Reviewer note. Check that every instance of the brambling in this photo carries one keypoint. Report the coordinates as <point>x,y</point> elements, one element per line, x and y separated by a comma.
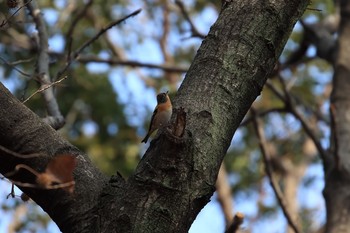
<point>161,114</point>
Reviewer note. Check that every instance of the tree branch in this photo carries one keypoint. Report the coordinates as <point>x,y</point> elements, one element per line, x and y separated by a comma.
<point>25,139</point>
<point>43,66</point>
<point>44,87</point>
<point>93,39</point>
<point>287,99</point>
<point>15,68</point>
<point>194,30</point>
<point>4,22</point>
<point>70,31</point>
<point>169,68</point>
<point>236,223</point>
<point>269,172</point>
<point>249,119</point>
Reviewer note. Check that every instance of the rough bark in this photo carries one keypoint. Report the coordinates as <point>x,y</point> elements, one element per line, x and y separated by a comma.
<point>24,132</point>
<point>337,169</point>
<point>176,177</point>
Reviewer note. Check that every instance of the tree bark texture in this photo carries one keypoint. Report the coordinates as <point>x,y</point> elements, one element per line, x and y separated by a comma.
<point>176,177</point>
<point>24,132</point>
<point>337,168</point>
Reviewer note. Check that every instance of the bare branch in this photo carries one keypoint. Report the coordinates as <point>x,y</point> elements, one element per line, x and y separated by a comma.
<point>236,223</point>
<point>93,39</point>
<point>27,156</point>
<point>249,119</point>
<point>306,126</point>
<point>14,13</point>
<point>194,30</point>
<point>103,30</point>
<point>15,68</point>
<point>268,169</point>
<point>111,61</point>
<point>45,87</point>
<point>70,32</point>
<point>12,193</point>
<point>43,65</point>
<point>303,121</point>
<point>49,187</point>
<point>21,61</point>
<point>21,166</point>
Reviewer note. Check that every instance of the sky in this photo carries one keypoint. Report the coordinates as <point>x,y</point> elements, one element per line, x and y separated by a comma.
<point>211,218</point>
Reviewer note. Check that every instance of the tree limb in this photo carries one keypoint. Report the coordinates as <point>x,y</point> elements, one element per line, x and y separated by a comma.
<point>43,66</point>
<point>25,139</point>
<point>236,223</point>
<point>287,99</point>
<point>72,26</point>
<point>169,68</point>
<point>94,38</point>
<point>269,172</point>
<point>194,30</point>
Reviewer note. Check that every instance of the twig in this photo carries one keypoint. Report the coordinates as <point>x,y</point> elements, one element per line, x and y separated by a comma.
<point>37,174</point>
<point>306,126</point>
<point>15,68</point>
<point>236,223</point>
<point>169,68</point>
<point>94,38</point>
<point>15,154</point>
<point>290,106</point>
<point>70,32</point>
<point>22,166</point>
<point>44,87</point>
<point>14,13</point>
<point>268,169</point>
<point>49,187</point>
<point>12,193</point>
<point>282,97</point>
<point>21,61</point>
<point>194,30</point>
<point>103,30</point>
<point>313,9</point>
<point>249,119</point>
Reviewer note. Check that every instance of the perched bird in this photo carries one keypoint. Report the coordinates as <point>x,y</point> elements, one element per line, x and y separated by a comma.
<point>161,114</point>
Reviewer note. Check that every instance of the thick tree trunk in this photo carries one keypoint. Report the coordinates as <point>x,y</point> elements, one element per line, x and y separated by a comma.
<point>22,131</point>
<point>337,169</point>
<point>176,177</point>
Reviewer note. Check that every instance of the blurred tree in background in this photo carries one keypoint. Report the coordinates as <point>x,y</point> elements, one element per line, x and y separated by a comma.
<point>109,95</point>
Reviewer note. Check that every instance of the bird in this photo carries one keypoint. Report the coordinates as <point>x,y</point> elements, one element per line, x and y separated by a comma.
<point>161,114</point>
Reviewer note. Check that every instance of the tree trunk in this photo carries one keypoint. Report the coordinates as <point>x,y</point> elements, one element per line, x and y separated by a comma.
<point>176,177</point>
<point>337,168</point>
